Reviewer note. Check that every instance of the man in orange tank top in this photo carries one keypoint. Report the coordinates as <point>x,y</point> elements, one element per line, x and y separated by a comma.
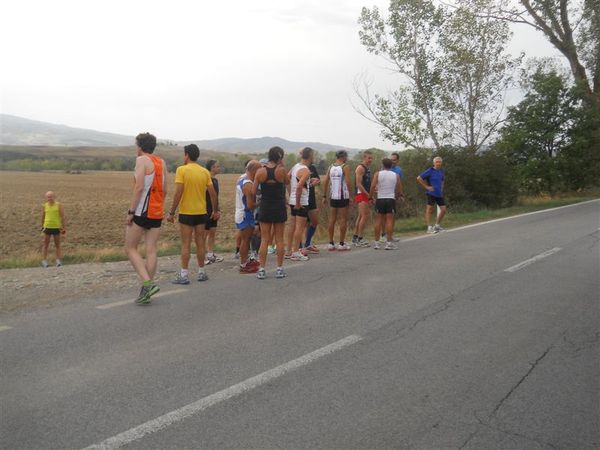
<point>145,213</point>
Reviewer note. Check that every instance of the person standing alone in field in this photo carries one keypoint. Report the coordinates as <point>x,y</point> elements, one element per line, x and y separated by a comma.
<point>433,182</point>
<point>363,197</point>
<point>388,185</point>
<point>214,168</point>
<point>337,183</point>
<point>53,224</point>
<point>145,213</point>
<point>192,182</point>
<point>271,179</point>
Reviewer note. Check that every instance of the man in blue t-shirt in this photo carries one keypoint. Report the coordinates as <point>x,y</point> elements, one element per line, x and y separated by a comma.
<point>433,182</point>
<point>395,157</point>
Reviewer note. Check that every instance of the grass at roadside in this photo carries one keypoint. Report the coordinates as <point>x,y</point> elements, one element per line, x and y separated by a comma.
<point>404,227</point>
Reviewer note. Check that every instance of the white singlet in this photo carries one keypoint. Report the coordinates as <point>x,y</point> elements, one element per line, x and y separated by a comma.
<point>338,189</point>
<point>386,184</point>
<point>294,185</point>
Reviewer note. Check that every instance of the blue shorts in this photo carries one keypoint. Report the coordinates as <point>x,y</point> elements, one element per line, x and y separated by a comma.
<point>248,221</point>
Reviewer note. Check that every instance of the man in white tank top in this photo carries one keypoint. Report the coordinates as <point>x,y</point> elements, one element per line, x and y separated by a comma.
<point>388,186</point>
<point>299,186</point>
<point>338,186</point>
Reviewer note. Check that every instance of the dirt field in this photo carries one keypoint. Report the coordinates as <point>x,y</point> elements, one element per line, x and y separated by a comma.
<point>95,205</point>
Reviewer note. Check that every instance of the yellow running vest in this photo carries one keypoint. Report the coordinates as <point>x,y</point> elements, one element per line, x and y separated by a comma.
<point>52,215</point>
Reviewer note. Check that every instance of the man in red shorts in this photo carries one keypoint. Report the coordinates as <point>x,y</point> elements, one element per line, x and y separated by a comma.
<point>362,197</point>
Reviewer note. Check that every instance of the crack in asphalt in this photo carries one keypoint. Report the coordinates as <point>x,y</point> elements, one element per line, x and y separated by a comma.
<point>523,378</point>
<point>440,309</point>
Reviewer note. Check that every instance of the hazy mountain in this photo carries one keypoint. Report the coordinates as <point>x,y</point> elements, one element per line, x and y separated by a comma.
<point>20,131</point>
<point>258,145</point>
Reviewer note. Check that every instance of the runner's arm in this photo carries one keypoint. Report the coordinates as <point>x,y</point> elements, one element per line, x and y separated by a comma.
<point>326,186</point>
<point>374,184</point>
<point>358,173</point>
<point>177,198</point>
<point>399,187</point>
<point>63,218</point>
<point>138,188</point>
<point>214,201</point>
<point>348,182</point>
<point>301,185</point>
<point>250,202</point>
<point>422,182</point>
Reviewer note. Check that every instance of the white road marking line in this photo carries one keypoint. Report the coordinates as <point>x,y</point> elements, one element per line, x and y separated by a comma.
<point>5,327</point>
<point>519,215</point>
<point>532,260</point>
<point>128,302</point>
<point>184,412</point>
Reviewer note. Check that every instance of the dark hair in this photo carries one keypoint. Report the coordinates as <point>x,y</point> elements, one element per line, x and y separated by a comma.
<point>387,163</point>
<point>276,154</point>
<point>341,154</point>
<point>210,163</point>
<point>146,141</point>
<point>192,151</point>
<point>306,153</point>
<point>396,154</point>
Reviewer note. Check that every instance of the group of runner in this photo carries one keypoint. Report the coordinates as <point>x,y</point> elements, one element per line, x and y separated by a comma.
<point>262,196</point>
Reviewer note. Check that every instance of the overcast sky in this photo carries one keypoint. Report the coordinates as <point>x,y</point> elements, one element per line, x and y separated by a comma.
<point>197,69</point>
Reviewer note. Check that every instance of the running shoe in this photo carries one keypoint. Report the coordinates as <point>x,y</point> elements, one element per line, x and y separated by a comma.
<point>312,249</point>
<point>297,256</point>
<point>431,230</point>
<point>145,293</point>
<point>248,269</point>
<point>44,264</point>
<point>390,246</point>
<point>271,250</point>
<point>303,252</point>
<point>237,255</point>
<point>376,245</point>
<point>280,273</point>
<point>437,228</point>
<point>344,248</point>
<point>382,239</point>
<point>58,263</point>
<point>217,258</point>
<point>354,240</point>
<point>362,243</point>
<point>331,247</point>
<point>202,276</point>
<point>261,274</point>
<point>181,279</point>
<point>253,262</point>
<point>287,255</point>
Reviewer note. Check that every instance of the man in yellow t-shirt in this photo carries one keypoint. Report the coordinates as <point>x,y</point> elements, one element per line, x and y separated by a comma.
<point>192,182</point>
<point>53,224</point>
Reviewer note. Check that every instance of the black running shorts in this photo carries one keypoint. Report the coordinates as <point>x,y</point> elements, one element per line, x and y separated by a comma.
<point>344,203</point>
<point>52,231</point>
<point>146,223</point>
<point>385,206</point>
<point>431,200</point>
<point>193,220</point>
<point>300,212</point>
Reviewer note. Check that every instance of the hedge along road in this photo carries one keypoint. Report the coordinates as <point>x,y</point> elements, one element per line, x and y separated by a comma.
<point>433,345</point>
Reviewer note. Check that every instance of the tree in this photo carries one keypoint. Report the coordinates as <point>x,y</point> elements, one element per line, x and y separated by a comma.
<point>453,68</point>
<point>539,129</point>
<point>573,28</point>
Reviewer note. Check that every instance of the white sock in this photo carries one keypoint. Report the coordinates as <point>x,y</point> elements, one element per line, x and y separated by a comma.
<point>200,269</point>
<point>184,272</point>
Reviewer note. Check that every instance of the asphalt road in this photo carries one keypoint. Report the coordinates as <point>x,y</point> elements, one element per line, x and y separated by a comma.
<point>481,337</point>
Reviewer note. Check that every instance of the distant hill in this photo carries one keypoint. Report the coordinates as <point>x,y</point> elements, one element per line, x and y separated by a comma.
<point>20,131</point>
<point>259,145</point>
